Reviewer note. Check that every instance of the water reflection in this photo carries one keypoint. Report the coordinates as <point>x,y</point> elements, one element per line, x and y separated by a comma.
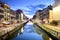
<point>29,33</point>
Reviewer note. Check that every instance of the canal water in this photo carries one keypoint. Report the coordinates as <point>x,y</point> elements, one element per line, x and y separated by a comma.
<point>30,32</point>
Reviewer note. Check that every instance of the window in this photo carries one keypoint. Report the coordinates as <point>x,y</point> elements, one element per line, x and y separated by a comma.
<point>1,11</point>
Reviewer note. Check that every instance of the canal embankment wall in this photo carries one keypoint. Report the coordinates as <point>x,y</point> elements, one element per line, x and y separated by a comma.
<point>10,31</point>
<point>46,32</point>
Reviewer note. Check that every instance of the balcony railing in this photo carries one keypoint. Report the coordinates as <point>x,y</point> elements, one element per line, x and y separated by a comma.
<point>12,15</point>
<point>1,13</point>
<point>1,8</point>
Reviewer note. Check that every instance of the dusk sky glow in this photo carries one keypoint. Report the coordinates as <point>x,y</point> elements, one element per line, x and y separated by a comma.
<point>29,7</point>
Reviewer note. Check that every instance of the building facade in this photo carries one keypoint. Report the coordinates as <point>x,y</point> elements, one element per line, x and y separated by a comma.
<point>20,15</point>
<point>1,10</point>
<point>45,14</point>
<point>13,14</point>
<point>56,3</point>
<point>7,12</point>
<point>24,17</point>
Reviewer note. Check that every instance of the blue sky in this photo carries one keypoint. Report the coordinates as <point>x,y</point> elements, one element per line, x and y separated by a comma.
<point>29,7</point>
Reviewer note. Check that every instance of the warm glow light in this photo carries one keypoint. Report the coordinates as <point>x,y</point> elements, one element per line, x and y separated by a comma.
<point>56,9</point>
<point>56,13</point>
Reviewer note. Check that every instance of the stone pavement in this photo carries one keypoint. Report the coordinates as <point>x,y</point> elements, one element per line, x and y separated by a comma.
<point>54,30</point>
<point>48,26</point>
<point>4,30</point>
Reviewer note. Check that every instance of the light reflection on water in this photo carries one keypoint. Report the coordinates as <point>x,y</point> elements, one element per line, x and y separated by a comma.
<point>29,33</point>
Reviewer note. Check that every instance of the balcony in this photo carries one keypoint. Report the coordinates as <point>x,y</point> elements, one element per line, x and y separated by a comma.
<point>1,8</point>
<point>12,15</point>
<point>1,13</point>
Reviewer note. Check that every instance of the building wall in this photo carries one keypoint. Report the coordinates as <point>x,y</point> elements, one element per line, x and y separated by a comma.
<point>50,15</point>
<point>7,12</point>
<point>56,13</point>
<point>57,3</point>
<point>24,17</point>
<point>38,14</point>
<point>1,10</point>
<point>43,14</point>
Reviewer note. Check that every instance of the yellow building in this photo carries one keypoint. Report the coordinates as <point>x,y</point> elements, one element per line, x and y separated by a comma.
<point>54,14</point>
<point>50,15</point>
<point>6,12</point>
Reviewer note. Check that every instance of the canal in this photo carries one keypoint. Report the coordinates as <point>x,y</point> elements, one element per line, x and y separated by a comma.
<point>29,32</point>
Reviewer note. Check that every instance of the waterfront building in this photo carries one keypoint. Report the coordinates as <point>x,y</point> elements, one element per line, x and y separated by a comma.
<point>56,13</point>
<point>50,13</point>
<point>24,17</point>
<point>7,12</point>
<point>42,14</point>
<point>19,14</point>
<point>1,10</point>
<point>56,3</point>
<point>34,17</point>
<point>13,14</point>
<point>46,14</point>
<point>38,14</point>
